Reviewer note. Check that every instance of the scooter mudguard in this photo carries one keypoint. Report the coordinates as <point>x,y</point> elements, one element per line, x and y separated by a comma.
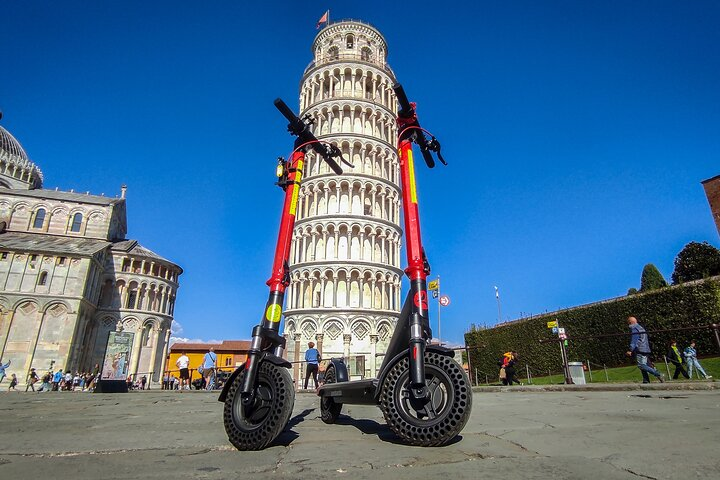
<point>267,357</point>
<point>341,373</point>
<point>429,348</point>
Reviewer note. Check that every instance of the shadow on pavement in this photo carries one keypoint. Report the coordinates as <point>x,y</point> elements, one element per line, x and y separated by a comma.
<point>371,427</point>
<point>288,435</point>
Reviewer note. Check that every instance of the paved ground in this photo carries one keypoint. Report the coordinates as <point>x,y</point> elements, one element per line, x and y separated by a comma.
<point>524,435</point>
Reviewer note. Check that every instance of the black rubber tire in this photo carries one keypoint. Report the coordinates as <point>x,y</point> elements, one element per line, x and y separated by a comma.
<point>256,427</point>
<point>329,409</point>
<point>450,405</point>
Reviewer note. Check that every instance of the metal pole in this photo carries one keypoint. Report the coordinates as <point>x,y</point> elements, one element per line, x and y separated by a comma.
<point>527,370</point>
<point>467,352</point>
<point>607,379</point>
<point>666,366</point>
<point>717,335</point>
<point>497,296</point>
<point>566,368</point>
<point>438,302</point>
<point>487,380</point>
<point>589,369</point>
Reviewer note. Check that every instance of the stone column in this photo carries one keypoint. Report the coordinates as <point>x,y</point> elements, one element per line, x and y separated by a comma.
<point>6,330</point>
<point>319,341</point>
<point>373,358</point>
<point>286,336</point>
<point>166,347</point>
<point>346,348</point>
<point>296,365</point>
<point>137,345</point>
<point>153,354</point>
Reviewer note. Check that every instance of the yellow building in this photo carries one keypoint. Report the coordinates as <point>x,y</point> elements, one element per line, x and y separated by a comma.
<point>230,354</point>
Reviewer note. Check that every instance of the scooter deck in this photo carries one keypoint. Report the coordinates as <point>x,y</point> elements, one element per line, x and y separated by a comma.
<point>358,392</point>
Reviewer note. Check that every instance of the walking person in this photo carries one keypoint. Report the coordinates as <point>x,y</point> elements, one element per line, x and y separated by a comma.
<point>209,367</point>
<point>31,380</point>
<point>56,379</point>
<point>673,354</point>
<point>510,368</point>
<point>182,363</point>
<point>640,347</point>
<point>45,385</point>
<point>2,370</point>
<point>13,382</point>
<point>692,361</point>
<point>312,357</point>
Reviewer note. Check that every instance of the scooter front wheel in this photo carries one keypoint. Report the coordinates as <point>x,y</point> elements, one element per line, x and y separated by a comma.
<point>256,425</point>
<point>436,420</point>
<point>329,408</point>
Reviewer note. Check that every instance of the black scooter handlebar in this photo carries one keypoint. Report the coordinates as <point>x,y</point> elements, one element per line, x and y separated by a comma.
<point>299,128</point>
<point>405,108</point>
<point>407,111</point>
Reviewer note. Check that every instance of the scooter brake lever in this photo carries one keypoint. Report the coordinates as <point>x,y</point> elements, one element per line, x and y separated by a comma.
<point>434,145</point>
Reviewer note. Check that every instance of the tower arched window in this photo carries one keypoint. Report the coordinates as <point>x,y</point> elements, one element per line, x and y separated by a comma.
<point>42,279</point>
<point>350,41</point>
<point>333,53</point>
<point>39,220</point>
<point>146,335</point>
<point>76,222</point>
<point>366,54</point>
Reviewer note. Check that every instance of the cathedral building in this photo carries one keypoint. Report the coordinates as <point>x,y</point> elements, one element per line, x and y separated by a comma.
<point>345,264</point>
<point>68,277</point>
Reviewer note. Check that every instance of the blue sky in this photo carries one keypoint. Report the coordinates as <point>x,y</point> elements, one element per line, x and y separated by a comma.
<point>577,135</point>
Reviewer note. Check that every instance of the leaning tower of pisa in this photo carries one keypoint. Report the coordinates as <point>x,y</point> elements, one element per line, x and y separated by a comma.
<point>345,260</point>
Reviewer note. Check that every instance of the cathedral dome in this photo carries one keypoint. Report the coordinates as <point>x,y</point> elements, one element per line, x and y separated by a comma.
<point>16,169</point>
<point>10,146</point>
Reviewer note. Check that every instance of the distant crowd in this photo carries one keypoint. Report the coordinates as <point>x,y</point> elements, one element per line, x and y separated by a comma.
<point>53,381</point>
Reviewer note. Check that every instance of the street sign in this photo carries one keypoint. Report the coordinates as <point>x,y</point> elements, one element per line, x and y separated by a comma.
<point>562,336</point>
<point>555,329</point>
<point>444,300</point>
<point>553,324</point>
<point>561,331</point>
<point>435,293</point>
<point>433,285</point>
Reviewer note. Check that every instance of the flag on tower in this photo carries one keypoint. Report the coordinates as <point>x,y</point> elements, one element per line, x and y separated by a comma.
<point>323,19</point>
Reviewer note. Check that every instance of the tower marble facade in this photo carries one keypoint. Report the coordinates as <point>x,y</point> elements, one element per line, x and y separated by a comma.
<point>345,264</point>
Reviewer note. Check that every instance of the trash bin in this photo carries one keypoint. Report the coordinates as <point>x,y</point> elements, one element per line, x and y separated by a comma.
<point>577,372</point>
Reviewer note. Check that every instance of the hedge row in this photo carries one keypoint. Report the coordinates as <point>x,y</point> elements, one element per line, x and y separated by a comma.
<point>686,305</point>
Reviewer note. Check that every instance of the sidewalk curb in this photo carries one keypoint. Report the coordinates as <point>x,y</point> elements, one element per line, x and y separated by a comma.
<point>617,387</point>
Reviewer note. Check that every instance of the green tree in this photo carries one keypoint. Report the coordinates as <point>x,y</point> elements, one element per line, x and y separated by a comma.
<point>651,278</point>
<point>696,261</point>
<point>632,291</point>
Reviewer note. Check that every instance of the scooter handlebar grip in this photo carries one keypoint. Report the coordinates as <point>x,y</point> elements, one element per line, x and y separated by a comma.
<point>334,165</point>
<point>402,98</point>
<point>429,160</point>
<point>285,110</point>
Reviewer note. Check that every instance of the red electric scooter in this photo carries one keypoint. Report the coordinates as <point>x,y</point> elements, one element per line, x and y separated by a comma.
<point>425,396</point>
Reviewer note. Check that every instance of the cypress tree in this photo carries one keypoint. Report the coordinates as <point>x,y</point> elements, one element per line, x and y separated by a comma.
<point>651,278</point>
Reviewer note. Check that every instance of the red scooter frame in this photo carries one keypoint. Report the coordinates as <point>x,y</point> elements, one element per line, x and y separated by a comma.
<point>423,393</point>
<point>258,402</point>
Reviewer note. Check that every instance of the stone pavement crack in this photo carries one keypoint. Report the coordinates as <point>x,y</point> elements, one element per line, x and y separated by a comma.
<point>203,450</point>
<point>520,446</point>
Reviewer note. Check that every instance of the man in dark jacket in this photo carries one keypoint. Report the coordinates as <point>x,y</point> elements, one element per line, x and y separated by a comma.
<point>640,347</point>
<point>673,354</point>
